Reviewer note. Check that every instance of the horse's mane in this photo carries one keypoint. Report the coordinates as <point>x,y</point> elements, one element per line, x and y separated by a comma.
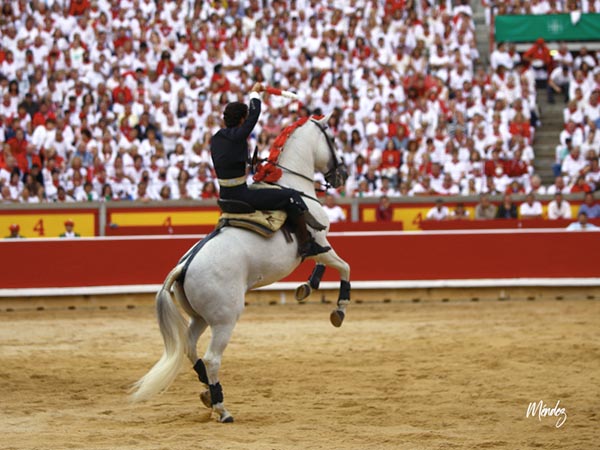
<point>267,170</point>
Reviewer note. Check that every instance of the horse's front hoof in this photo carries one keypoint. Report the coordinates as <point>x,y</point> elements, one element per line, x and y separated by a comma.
<point>337,318</point>
<point>303,291</point>
<point>226,419</point>
<point>205,397</point>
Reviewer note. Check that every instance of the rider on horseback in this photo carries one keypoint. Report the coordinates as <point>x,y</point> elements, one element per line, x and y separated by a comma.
<point>229,151</point>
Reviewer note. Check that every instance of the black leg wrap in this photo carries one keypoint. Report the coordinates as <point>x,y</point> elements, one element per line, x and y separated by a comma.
<point>216,393</point>
<point>316,275</point>
<point>344,290</point>
<point>200,369</point>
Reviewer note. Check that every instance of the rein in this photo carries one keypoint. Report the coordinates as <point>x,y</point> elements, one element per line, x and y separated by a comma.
<point>302,194</point>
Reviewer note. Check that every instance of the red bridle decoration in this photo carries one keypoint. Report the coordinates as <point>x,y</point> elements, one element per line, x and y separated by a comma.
<point>268,171</point>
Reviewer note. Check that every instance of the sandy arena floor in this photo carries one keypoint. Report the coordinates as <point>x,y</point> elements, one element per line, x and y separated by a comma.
<point>395,376</point>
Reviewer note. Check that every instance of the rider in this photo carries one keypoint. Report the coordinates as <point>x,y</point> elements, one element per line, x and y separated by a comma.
<point>229,151</point>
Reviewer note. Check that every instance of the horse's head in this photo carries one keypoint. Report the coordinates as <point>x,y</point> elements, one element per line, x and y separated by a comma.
<point>326,155</point>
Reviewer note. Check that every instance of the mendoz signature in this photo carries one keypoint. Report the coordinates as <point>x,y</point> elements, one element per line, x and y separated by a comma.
<point>540,409</point>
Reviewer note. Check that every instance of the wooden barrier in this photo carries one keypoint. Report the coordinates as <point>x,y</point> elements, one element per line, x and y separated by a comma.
<point>373,256</point>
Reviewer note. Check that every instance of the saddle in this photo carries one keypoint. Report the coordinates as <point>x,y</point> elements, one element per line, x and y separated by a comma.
<point>239,214</point>
<point>236,213</point>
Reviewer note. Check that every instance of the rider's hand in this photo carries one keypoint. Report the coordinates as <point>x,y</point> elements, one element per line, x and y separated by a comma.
<point>258,87</point>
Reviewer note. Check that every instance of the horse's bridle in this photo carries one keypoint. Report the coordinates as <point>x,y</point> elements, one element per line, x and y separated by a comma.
<point>334,177</point>
<point>338,174</point>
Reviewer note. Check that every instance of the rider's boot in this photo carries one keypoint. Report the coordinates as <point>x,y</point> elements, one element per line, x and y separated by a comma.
<point>307,246</point>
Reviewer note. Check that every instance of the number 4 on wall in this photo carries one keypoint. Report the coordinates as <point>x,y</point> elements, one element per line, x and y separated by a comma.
<point>169,224</point>
<point>417,220</point>
<point>39,227</point>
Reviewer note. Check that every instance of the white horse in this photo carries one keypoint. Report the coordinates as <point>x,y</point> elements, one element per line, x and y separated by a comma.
<point>211,280</point>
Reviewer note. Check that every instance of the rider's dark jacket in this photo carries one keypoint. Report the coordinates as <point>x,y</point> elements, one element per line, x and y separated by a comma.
<point>229,152</point>
<point>229,146</point>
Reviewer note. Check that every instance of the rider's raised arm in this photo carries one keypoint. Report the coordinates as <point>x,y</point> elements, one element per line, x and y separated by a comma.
<point>243,131</point>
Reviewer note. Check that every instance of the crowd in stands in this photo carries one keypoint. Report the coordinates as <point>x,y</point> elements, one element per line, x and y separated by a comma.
<point>117,100</point>
<point>539,7</point>
<point>576,80</point>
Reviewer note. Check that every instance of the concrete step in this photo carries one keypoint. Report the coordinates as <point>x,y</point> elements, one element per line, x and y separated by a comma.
<point>544,169</point>
<point>547,137</point>
<point>554,122</point>
<point>550,111</point>
<point>546,146</point>
<point>544,159</point>
<point>544,162</point>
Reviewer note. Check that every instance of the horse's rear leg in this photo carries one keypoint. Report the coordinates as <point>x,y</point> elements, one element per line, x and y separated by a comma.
<point>197,324</point>
<point>195,329</point>
<point>207,369</point>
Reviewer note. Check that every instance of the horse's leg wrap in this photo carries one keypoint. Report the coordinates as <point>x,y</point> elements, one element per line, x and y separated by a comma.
<point>200,369</point>
<point>216,393</point>
<point>344,291</point>
<point>316,275</point>
<point>337,315</point>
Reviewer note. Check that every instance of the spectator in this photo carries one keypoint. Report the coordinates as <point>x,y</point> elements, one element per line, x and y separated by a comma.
<point>501,57</point>
<point>69,231</point>
<point>540,59</point>
<point>485,209</point>
<point>558,186</point>
<point>459,213</point>
<point>592,174</point>
<point>582,223</point>
<point>438,212</point>
<point>563,57</point>
<point>584,57</point>
<point>559,208</point>
<point>558,82</point>
<point>535,185</point>
<point>507,209</point>
<point>580,185</point>
<point>386,189</point>
<point>14,231</point>
<point>209,190</point>
<point>384,212</point>
<point>141,193</point>
<point>590,207</point>
<point>531,208</point>
<point>573,164</point>
<point>423,187</point>
<point>334,212</point>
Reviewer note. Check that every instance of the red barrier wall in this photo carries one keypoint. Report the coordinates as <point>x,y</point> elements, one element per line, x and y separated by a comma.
<point>372,256</point>
<point>498,224</point>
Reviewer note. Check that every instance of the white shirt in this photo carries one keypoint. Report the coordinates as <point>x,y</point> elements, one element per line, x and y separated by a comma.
<point>436,213</point>
<point>572,167</point>
<point>335,213</point>
<point>577,226</point>
<point>559,212</point>
<point>530,210</point>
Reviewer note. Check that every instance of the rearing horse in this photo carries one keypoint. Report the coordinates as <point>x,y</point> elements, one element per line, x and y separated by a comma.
<point>211,280</point>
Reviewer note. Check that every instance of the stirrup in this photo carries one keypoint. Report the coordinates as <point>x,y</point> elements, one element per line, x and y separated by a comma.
<point>312,222</point>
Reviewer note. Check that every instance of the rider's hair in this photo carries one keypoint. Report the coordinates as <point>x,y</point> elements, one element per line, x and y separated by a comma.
<point>234,113</point>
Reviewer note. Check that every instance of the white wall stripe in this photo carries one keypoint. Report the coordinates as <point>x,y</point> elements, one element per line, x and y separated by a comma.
<point>287,286</point>
<point>333,233</point>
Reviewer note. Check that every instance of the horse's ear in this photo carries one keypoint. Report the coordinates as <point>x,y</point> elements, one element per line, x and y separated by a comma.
<point>325,119</point>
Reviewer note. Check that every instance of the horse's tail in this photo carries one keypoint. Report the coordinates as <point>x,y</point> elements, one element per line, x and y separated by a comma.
<point>173,328</point>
